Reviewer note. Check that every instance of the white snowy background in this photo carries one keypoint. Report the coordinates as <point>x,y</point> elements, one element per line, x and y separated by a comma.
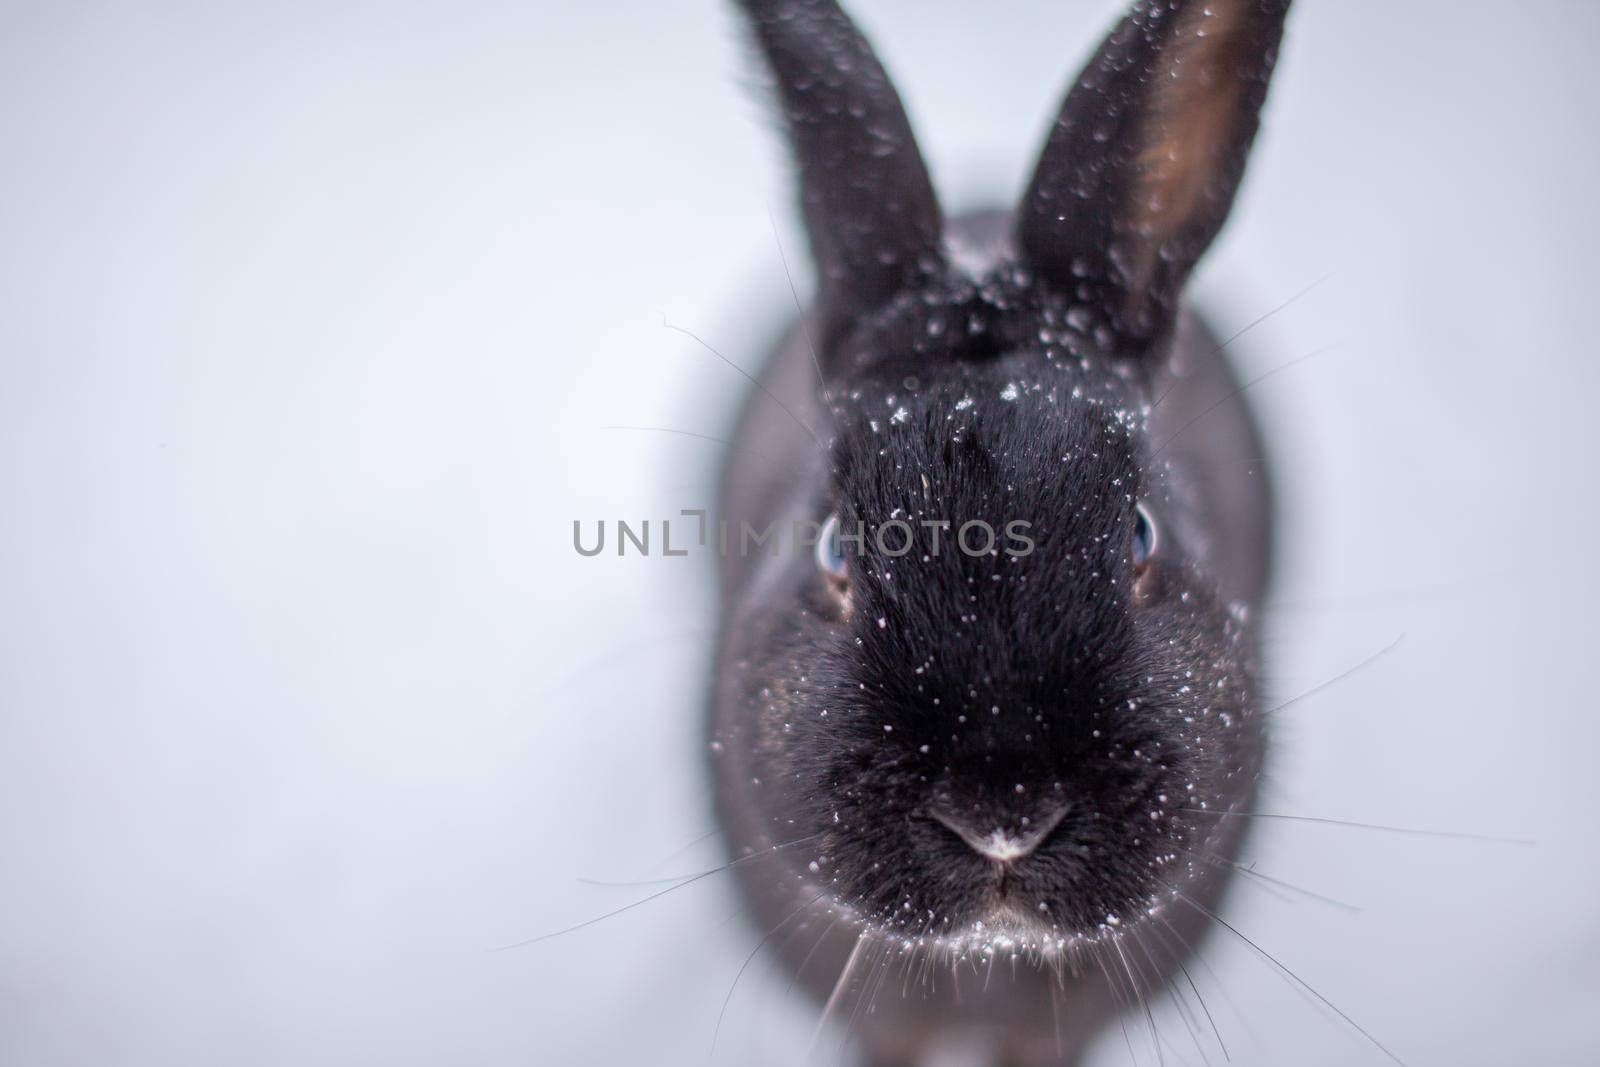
<point>312,315</point>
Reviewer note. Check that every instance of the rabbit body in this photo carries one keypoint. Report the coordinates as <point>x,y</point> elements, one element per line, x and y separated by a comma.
<point>979,795</point>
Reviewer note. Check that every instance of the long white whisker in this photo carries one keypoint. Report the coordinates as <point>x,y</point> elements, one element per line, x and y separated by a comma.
<point>845,974</point>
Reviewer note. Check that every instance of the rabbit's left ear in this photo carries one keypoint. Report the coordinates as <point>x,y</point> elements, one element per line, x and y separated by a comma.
<point>1142,166</point>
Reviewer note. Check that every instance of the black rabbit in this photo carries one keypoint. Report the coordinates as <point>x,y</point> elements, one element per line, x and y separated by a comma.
<point>997,716</point>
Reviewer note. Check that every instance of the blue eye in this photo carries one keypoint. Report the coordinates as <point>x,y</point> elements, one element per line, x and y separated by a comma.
<point>830,554</point>
<point>1143,543</point>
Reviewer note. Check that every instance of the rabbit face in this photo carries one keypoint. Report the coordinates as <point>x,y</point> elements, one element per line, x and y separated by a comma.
<point>1002,715</point>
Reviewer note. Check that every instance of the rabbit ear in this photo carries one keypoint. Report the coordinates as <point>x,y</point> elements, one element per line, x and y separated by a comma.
<point>1141,168</point>
<point>870,211</point>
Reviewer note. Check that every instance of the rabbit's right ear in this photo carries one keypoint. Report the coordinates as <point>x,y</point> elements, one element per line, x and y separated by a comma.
<point>1142,166</point>
<point>871,215</point>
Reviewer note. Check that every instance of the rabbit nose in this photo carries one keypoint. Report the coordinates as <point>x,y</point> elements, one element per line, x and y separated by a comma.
<point>1003,840</point>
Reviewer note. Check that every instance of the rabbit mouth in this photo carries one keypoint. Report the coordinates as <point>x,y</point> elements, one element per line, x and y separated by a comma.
<point>1007,929</point>
<point>1003,907</point>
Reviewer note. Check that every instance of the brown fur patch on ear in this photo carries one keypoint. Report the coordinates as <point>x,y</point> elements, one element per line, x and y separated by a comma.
<point>1192,131</point>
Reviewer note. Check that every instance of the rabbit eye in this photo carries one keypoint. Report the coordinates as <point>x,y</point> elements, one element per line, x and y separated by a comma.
<point>830,553</point>
<point>1143,542</point>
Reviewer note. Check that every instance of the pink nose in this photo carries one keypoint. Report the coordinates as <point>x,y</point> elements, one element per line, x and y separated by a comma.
<point>1000,843</point>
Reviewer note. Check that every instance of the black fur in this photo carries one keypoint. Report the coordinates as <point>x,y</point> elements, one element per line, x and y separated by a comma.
<point>869,735</point>
<point>955,679</point>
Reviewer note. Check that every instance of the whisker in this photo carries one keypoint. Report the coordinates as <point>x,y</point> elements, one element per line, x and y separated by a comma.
<point>845,974</point>
<point>679,852</point>
<point>665,879</point>
<point>1217,351</point>
<point>1457,835</point>
<point>1177,958</point>
<point>636,883</point>
<point>870,990</point>
<point>1055,1012</point>
<point>752,379</point>
<point>1170,990</point>
<point>910,961</point>
<point>805,326</point>
<point>1263,318</point>
<point>1114,984</point>
<point>717,1032</point>
<point>1320,898</point>
<point>1264,954</point>
<point>781,464</point>
<point>798,971</point>
<point>1257,380</point>
<point>779,953</point>
<point>1251,872</point>
<point>1191,951</point>
<point>1143,999</point>
<point>656,896</point>
<point>1336,679</point>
